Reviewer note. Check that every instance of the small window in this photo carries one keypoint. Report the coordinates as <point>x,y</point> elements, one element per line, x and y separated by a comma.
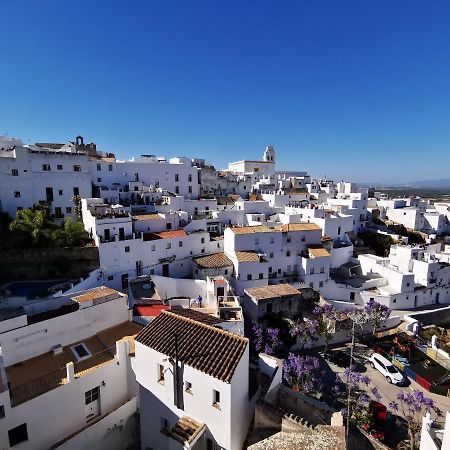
<point>394,301</point>
<point>99,180</point>
<point>60,192</point>
<point>407,284</point>
<point>226,272</point>
<point>352,296</point>
<point>249,276</point>
<point>188,387</point>
<point>164,424</point>
<point>160,373</point>
<point>279,271</point>
<point>202,240</point>
<point>2,411</point>
<point>76,191</point>
<point>216,398</point>
<point>17,194</point>
<point>320,283</point>
<point>177,189</point>
<point>77,168</point>
<point>261,276</point>
<point>110,277</point>
<point>152,248</point>
<point>303,239</point>
<point>59,167</point>
<point>68,210</point>
<point>312,271</point>
<point>180,243</point>
<point>190,189</point>
<point>127,249</point>
<point>46,167</point>
<point>92,395</point>
<point>14,172</point>
<point>17,435</point>
<point>177,178</point>
<point>189,178</point>
<point>288,240</point>
<point>110,167</point>
<point>99,167</point>
<point>288,253</point>
<point>80,351</point>
<point>322,270</point>
<point>270,269</point>
<point>311,285</point>
<point>168,245</point>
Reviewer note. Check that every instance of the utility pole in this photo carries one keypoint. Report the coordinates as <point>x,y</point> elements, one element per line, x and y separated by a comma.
<point>349,386</point>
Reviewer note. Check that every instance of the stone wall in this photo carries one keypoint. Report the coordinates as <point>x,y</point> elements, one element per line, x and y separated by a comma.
<point>47,263</point>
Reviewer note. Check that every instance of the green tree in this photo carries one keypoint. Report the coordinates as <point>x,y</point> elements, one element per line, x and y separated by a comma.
<point>33,222</point>
<point>72,234</point>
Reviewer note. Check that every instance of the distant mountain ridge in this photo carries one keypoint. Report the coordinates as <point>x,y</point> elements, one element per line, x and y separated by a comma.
<point>441,184</point>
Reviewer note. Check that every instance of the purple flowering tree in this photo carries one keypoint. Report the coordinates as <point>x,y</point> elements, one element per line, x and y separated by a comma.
<point>266,340</point>
<point>302,373</point>
<point>305,331</point>
<point>326,316</point>
<point>376,314</point>
<point>414,405</point>
<point>358,400</point>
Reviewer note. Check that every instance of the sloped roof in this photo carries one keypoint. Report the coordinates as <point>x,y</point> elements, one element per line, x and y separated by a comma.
<point>247,257</point>
<point>164,235</point>
<point>213,261</point>
<point>210,350</point>
<point>271,291</point>
<point>249,230</point>
<point>98,293</point>
<point>186,430</point>
<point>298,227</point>
<point>198,316</point>
<point>142,217</point>
<point>318,252</point>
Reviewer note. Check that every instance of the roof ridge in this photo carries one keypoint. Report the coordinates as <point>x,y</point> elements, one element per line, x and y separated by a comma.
<point>204,325</point>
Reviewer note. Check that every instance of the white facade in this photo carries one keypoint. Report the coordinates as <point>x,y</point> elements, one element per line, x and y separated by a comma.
<point>46,391</point>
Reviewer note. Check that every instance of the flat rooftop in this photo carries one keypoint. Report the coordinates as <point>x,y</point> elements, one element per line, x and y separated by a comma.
<point>38,375</point>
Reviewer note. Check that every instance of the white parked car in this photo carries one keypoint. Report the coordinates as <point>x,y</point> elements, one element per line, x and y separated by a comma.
<point>385,367</point>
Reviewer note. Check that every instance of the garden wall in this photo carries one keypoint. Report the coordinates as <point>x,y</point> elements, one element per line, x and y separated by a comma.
<point>47,263</point>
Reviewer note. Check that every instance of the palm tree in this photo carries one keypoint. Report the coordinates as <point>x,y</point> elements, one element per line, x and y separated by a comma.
<point>32,221</point>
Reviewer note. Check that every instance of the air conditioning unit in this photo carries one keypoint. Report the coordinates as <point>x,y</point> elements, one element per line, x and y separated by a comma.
<point>57,349</point>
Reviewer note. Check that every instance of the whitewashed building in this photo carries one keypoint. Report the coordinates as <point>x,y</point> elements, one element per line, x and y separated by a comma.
<point>66,363</point>
<point>193,385</point>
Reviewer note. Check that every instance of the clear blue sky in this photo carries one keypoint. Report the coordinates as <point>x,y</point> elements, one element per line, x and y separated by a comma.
<point>352,89</point>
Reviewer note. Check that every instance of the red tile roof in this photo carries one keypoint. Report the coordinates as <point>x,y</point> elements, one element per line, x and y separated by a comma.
<point>205,348</point>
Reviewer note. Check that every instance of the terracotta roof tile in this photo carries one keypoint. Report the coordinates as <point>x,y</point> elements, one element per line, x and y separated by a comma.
<point>271,291</point>
<point>298,227</point>
<point>210,350</point>
<point>247,256</point>
<point>142,217</point>
<point>249,230</point>
<point>186,430</point>
<point>98,293</point>
<point>164,235</point>
<point>318,252</point>
<point>198,316</point>
<point>214,260</point>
